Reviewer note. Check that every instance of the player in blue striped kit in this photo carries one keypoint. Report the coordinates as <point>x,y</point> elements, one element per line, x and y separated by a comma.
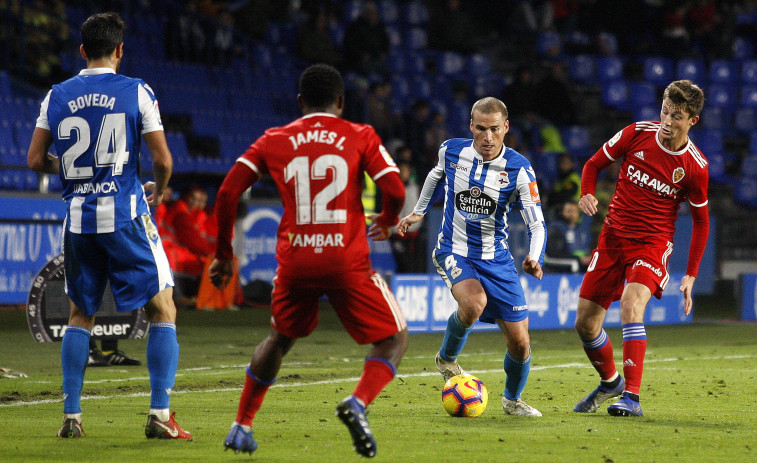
<point>483,180</point>
<point>96,120</point>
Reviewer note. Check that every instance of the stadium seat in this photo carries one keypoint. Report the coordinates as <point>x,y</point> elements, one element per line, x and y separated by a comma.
<point>416,38</point>
<point>576,140</point>
<point>643,94</point>
<point>609,68</point>
<point>691,69</point>
<point>479,65</point>
<point>742,48</point>
<point>388,11</point>
<point>716,118</point>
<point>646,113</point>
<point>351,11</point>
<point>395,39</point>
<point>658,70</point>
<point>549,44</point>
<point>582,68</point>
<point>723,72</point>
<point>745,192</point>
<point>722,96</point>
<point>451,63</point>
<point>745,120</point>
<point>716,168</point>
<point>753,141</point>
<point>415,13</point>
<point>709,141</point>
<point>749,72</point>
<point>749,166</point>
<point>5,83</point>
<point>749,96</point>
<point>615,94</point>
<point>6,133</point>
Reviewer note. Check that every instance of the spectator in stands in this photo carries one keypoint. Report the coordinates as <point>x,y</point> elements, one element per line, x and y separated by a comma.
<point>366,42</point>
<point>414,126</point>
<point>378,110</point>
<point>223,39</point>
<point>567,186</point>
<point>553,96</point>
<point>451,27</point>
<point>314,42</point>
<point>408,249</point>
<point>568,240</point>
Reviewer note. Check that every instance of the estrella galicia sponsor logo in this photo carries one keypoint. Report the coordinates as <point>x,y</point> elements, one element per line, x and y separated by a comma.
<point>642,263</point>
<point>474,204</point>
<point>457,166</point>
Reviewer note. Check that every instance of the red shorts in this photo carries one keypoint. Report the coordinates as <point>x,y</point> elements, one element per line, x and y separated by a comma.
<point>362,300</point>
<point>617,260</point>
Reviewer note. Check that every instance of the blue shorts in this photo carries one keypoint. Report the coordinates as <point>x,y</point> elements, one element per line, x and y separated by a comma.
<point>504,294</point>
<point>131,258</point>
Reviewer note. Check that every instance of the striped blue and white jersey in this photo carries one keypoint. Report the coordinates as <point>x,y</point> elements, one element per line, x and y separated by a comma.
<point>96,120</point>
<point>478,195</point>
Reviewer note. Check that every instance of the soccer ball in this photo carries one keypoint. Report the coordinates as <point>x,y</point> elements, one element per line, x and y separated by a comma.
<point>465,396</point>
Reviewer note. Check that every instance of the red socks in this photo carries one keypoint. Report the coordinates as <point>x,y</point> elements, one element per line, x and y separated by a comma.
<point>377,373</point>
<point>251,398</point>
<point>633,363</point>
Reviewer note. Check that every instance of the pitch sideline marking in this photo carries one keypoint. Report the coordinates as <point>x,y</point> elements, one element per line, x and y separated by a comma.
<point>354,379</point>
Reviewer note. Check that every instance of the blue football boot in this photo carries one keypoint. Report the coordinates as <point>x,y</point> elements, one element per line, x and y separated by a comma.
<point>240,440</point>
<point>591,402</point>
<point>626,406</point>
<point>352,414</point>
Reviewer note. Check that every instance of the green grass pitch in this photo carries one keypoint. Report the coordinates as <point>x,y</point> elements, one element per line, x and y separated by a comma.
<point>698,396</point>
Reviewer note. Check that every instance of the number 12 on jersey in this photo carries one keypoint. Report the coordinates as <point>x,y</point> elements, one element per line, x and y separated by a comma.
<point>316,211</point>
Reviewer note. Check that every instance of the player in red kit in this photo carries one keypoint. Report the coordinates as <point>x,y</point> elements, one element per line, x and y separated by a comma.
<point>318,163</point>
<point>660,167</point>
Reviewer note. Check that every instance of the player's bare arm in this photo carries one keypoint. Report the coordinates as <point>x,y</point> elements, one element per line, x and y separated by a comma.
<point>379,230</point>
<point>162,165</point>
<point>687,285</point>
<point>588,204</point>
<point>38,158</point>
<point>532,267</point>
<point>407,222</point>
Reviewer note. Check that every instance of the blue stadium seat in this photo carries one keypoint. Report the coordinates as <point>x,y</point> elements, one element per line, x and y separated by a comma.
<point>709,141</point>
<point>749,96</point>
<point>716,168</point>
<point>416,38</point>
<point>421,87</point>
<point>451,63</point>
<point>723,72</point>
<point>351,10</point>
<point>753,141</point>
<point>643,94</point>
<point>658,70</point>
<point>395,38</point>
<point>745,120</point>
<point>549,44</point>
<point>54,184</point>
<point>692,69</point>
<point>576,140</point>
<point>415,13</point>
<point>716,118</point>
<point>616,94</point>
<point>646,113</point>
<point>749,72</point>
<point>388,11</point>
<point>749,166</point>
<point>722,96</point>
<point>609,68</point>
<point>745,192</point>
<point>479,65</point>
<point>582,68</point>
<point>742,48</point>
<point>6,133</point>
<point>5,83</point>
<point>23,134</point>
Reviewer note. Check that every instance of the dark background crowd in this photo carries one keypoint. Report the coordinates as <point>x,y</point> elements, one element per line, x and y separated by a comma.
<point>572,73</point>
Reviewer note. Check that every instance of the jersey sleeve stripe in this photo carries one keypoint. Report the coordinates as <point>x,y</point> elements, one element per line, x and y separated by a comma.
<point>386,171</point>
<point>249,164</point>
<point>697,155</point>
<point>699,204</point>
<point>604,148</point>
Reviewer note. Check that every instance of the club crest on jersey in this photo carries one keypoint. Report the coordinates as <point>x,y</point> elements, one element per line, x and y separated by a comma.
<point>474,204</point>
<point>678,174</point>
<point>503,180</point>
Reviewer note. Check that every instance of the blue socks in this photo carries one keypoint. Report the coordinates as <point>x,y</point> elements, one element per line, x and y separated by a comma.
<point>517,375</point>
<point>162,362</point>
<point>454,337</point>
<point>74,353</point>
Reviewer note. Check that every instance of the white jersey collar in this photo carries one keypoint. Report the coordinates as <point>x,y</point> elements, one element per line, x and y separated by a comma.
<point>96,71</point>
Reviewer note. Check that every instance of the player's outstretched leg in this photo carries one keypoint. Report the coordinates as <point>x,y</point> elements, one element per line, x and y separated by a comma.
<point>518,407</point>
<point>628,405</point>
<point>352,414</point>
<point>71,428</point>
<point>240,440</point>
<point>169,429</point>
<point>603,392</point>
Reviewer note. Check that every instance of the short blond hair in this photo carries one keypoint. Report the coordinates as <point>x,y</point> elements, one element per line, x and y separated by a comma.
<point>685,95</point>
<point>489,105</point>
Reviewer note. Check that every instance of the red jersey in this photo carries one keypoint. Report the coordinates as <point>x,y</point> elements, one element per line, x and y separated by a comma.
<point>317,163</point>
<point>652,183</point>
